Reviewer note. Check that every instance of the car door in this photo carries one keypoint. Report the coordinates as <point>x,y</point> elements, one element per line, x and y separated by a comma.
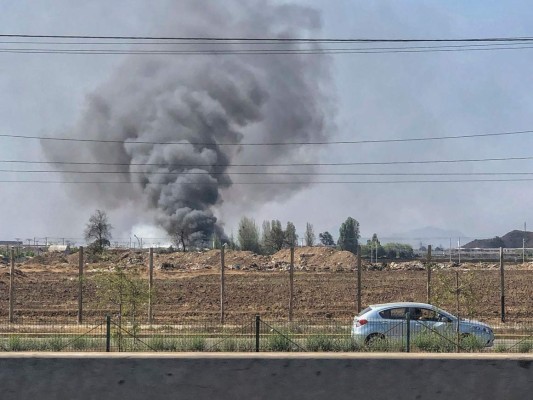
<point>394,322</point>
<point>423,320</point>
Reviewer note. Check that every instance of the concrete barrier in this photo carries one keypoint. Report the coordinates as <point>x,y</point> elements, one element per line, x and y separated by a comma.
<point>41,376</point>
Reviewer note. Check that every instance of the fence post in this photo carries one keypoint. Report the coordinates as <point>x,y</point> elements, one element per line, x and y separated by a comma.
<point>150,285</point>
<point>457,330</point>
<point>257,328</point>
<point>358,279</point>
<point>222,283</point>
<point>502,286</point>
<point>291,284</point>
<point>107,333</point>
<point>408,334</point>
<point>80,285</point>
<point>12,285</point>
<point>428,267</point>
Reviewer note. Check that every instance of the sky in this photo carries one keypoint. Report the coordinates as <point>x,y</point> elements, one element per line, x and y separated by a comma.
<point>346,97</point>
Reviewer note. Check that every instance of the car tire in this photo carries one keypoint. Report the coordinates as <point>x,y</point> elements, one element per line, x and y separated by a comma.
<point>372,338</point>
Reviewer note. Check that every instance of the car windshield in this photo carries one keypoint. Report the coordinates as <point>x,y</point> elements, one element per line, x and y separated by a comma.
<point>446,314</point>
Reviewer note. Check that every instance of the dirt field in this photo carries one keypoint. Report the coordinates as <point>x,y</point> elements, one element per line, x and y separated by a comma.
<point>188,286</point>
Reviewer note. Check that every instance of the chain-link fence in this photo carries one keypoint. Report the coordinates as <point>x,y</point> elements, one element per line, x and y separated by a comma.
<point>264,335</point>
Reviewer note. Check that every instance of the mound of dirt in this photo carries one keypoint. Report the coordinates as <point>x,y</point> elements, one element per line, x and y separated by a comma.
<point>315,259</point>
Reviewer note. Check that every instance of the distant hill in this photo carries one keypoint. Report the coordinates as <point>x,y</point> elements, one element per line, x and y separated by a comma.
<point>511,239</point>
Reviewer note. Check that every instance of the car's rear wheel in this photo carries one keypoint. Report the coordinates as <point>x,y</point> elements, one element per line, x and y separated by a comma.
<point>374,338</point>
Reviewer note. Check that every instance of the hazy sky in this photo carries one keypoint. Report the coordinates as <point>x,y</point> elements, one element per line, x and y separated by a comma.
<point>372,96</point>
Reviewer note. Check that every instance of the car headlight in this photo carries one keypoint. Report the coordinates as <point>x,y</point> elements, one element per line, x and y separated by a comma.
<point>482,329</point>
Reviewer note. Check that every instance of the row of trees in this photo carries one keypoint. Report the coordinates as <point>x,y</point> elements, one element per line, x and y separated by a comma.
<point>272,237</point>
<point>388,250</point>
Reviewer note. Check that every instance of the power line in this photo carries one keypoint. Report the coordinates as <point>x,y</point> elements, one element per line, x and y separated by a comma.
<point>354,163</point>
<point>184,43</point>
<point>332,142</point>
<point>272,39</point>
<point>210,173</point>
<point>254,52</point>
<point>268,183</point>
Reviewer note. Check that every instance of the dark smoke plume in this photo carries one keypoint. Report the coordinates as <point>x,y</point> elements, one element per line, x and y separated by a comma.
<point>203,99</point>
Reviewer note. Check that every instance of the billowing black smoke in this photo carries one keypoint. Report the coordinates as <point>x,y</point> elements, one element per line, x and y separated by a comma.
<point>203,101</point>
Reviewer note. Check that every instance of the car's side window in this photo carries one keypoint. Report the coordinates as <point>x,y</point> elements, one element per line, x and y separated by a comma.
<point>427,314</point>
<point>393,313</point>
<point>443,318</point>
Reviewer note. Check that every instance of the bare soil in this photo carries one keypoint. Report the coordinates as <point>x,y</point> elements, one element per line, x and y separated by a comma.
<point>187,285</point>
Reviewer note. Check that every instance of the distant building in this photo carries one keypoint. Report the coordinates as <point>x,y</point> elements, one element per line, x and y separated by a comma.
<point>58,248</point>
<point>10,243</point>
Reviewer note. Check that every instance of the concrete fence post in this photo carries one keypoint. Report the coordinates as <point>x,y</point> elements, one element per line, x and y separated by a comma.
<point>502,286</point>
<point>80,285</point>
<point>428,268</point>
<point>150,285</point>
<point>291,285</point>
<point>358,279</point>
<point>12,285</point>
<point>457,309</point>
<point>222,283</point>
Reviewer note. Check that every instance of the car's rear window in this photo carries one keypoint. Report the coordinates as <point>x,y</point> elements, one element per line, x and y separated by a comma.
<point>364,311</point>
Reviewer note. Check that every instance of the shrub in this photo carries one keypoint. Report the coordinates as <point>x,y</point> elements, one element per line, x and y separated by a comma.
<point>198,343</point>
<point>433,343</point>
<point>320,343</point>
<point>471,343</point>
<point>525,346</point>
<point>54,343</point>
<point>383,345</point>
<point>347,345</point>
<point>500,348</point>
<point>15,343</point>
<point>233,344</point>
<point>162,343</point>
<point>279,342</point>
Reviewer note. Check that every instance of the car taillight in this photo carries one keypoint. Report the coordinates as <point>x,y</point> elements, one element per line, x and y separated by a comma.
<point>361,322</point>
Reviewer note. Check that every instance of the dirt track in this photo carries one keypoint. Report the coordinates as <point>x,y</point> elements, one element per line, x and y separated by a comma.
<point>324,286</point>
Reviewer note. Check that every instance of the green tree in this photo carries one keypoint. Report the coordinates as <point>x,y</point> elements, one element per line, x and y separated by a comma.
<point>349,235</point>
<point>326,239</point>
<point>309,235</point>
<point>376,243</point>
<point>248,235</point>
<point>98,230</point>
<point>128,292</point>
<point>267,245</point>
<point>291,238</point>
<point>277,235</point>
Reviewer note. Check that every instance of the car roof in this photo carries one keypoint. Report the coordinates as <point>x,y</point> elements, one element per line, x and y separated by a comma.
<point>401,304</point>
